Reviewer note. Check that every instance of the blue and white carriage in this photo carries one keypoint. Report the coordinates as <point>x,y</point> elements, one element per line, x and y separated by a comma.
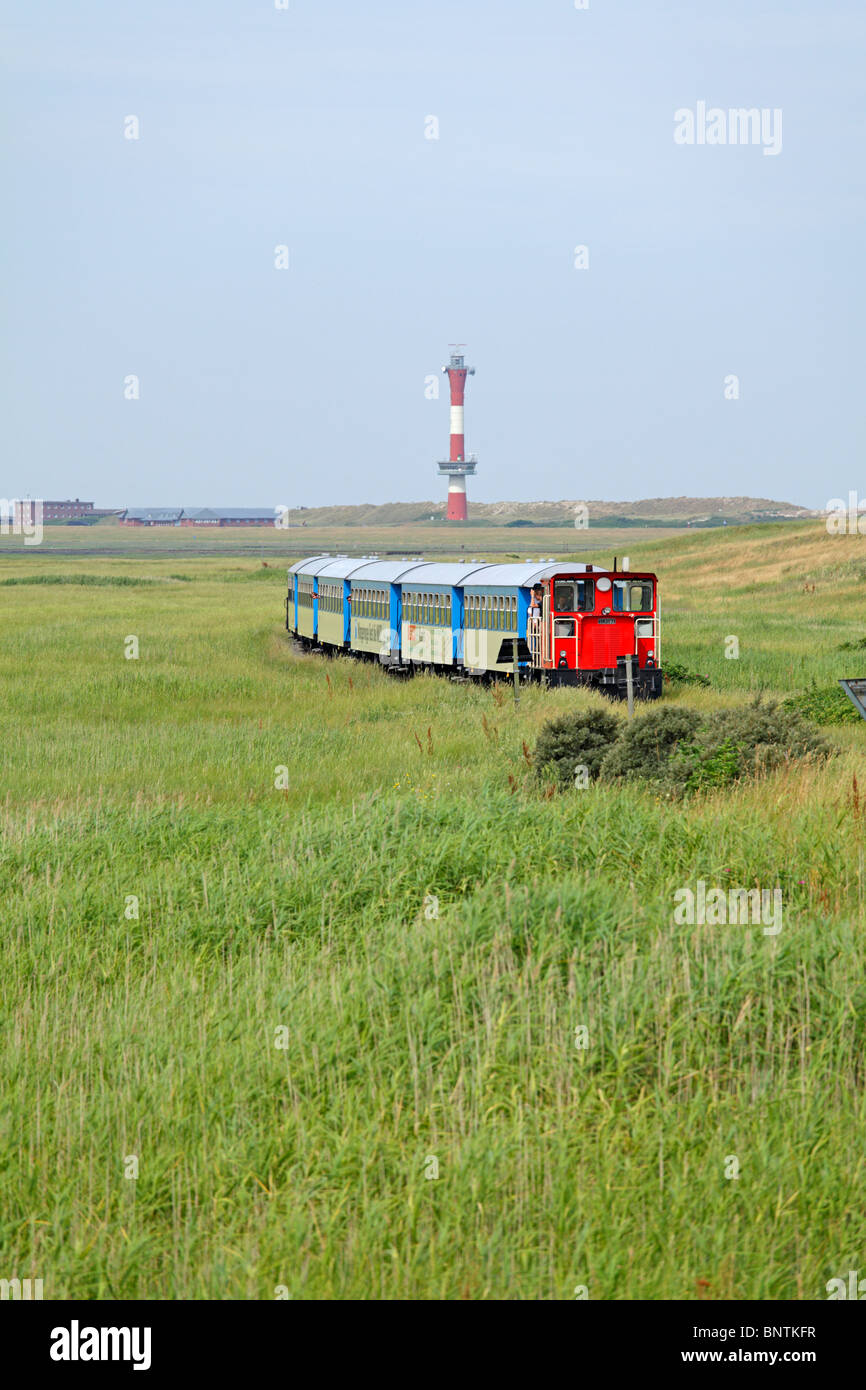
<point>474,619</point>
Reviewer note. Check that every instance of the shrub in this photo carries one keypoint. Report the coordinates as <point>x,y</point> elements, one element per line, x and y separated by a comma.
<point>857,644</point>
<point>570,740</point>
<point>753,738</point>
<point>824,704</point>
<point>648,742</point>
<point>673,671</point>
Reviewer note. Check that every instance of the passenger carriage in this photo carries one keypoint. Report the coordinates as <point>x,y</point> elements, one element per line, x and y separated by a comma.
<point>474,620</point>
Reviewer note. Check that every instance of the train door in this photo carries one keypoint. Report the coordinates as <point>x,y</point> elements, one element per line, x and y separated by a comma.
<point>644,635</point>
<point>565,641</point>
<point>564,625</point>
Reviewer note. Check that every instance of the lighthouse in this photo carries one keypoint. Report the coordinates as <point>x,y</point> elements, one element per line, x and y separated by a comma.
<point>459,464</point>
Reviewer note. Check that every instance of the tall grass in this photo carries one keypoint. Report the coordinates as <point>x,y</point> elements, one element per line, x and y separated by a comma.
<point>428,928</point>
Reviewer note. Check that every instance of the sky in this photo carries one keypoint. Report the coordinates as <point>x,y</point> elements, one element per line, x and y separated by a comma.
<point>707,342</point>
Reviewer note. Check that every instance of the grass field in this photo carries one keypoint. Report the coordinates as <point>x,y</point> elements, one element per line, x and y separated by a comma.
<point>284,1008</point>
<point>111,539</point>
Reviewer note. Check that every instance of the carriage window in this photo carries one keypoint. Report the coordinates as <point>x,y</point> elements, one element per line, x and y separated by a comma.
<point>632,596</point>
<point>563,627</point>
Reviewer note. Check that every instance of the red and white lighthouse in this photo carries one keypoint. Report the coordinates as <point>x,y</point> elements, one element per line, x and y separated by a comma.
<point>459,464</point>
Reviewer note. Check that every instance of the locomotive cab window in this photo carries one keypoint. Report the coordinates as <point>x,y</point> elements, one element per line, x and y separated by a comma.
<point>632,596</point>
<point>573,596</point>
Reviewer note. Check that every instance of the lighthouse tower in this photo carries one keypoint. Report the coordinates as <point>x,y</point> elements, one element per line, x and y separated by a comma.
<point>459,464</point>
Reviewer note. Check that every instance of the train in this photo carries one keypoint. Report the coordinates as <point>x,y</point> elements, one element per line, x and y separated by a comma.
<point>557,623</point>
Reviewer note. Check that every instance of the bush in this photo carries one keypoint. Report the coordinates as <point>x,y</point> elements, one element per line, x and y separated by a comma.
<point>824,704</point>
<point>571,740</point>
<point>673,671</point>
<point>749,739</point>
<point>677,748</point>
<point>648,742</point>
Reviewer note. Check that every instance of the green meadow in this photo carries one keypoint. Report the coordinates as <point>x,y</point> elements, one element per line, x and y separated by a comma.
<point>310,988</point>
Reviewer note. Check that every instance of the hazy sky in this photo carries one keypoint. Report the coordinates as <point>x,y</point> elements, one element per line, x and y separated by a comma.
<point>305,127</point>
